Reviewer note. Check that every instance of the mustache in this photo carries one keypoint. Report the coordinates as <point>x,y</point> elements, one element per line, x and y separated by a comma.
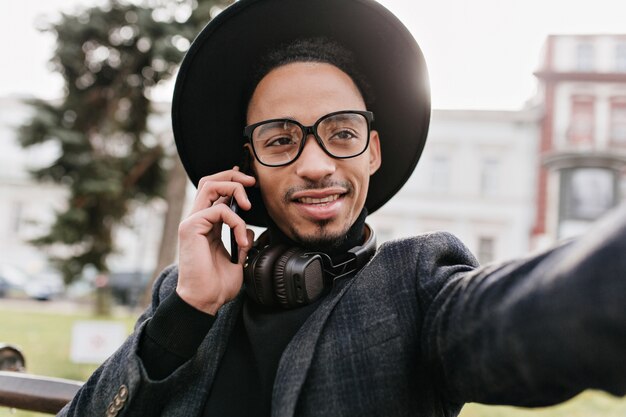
<point>317,185</point>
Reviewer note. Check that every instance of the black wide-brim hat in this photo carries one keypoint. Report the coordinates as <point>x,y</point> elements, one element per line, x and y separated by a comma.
<point>214,81</point>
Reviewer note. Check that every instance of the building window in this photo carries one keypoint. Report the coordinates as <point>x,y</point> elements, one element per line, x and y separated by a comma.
<point>587,193</point>
<point>440,173</point>
<point>617,129</point>
<point>584,57</point>
<point>582,118</point>
<point>17,214</point>
<point>489,175</point>
<point>620,57</point>
<point>486,249</point>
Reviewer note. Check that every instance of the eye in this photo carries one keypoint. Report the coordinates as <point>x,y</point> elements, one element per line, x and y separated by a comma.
<point>276,134</point>
<point>280,141</point>
<point>344,134</point>
<point>343,129</point>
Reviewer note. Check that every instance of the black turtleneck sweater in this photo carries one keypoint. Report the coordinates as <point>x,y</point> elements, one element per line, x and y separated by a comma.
<point>245,378</point>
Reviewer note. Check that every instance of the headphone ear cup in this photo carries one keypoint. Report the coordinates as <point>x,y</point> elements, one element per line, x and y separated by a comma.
<point>280,280</point>
<point>258,275</point>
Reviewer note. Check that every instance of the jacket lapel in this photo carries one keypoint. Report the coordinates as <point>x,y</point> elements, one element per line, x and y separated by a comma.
<point>297,357</point>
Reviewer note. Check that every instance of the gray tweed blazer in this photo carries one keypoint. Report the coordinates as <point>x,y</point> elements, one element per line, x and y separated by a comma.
<point>419,331</point>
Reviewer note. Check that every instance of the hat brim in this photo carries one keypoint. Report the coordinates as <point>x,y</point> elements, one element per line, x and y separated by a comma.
<point>209,104</point>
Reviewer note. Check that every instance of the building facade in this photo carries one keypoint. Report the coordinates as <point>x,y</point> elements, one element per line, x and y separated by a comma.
<point>28,207</point>
<point>476,179</point>
<point>582,151</point>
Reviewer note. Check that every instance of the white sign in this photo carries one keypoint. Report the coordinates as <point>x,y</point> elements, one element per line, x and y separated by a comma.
<point>94,341</point>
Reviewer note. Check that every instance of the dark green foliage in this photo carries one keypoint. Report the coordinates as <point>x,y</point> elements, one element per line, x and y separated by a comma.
<point>110,57</point>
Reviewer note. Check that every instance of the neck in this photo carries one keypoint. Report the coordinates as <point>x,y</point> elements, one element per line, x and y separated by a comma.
<point>355,236</point>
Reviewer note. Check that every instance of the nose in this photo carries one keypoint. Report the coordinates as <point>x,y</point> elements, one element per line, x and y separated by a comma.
<point>314,163</point>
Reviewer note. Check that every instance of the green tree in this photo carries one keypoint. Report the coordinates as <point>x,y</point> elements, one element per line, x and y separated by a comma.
<point>111,57</point>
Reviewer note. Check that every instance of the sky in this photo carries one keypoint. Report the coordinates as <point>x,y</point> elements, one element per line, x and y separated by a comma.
<point>481,54</point>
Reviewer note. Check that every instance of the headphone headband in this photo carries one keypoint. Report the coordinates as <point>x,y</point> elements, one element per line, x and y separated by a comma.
<point>291,277</point>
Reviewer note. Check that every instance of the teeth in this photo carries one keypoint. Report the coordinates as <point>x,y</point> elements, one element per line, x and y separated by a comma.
<point>309,200</point>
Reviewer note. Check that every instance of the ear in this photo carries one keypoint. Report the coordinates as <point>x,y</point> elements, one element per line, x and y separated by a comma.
<point>249,161</point>
<point>374,152</point>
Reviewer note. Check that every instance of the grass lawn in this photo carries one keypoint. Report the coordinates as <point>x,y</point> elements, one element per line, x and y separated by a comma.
<point>44,337</point>
<point>587,404</point>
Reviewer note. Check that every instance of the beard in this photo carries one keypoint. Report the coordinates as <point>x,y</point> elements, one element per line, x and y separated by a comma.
<point>323,239</point>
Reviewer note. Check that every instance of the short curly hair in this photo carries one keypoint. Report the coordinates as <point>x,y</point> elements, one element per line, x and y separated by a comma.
<point>318,49</point>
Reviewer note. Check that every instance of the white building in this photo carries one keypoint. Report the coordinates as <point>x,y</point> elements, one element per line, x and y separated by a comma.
<point>476,179</point>
<point>27,207</point>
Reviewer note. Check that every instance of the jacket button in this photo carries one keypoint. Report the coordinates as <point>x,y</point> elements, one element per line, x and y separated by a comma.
<point>123,392</point>
<point>112,410</point>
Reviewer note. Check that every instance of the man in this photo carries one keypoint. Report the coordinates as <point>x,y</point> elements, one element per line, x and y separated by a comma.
<point>331,100</point>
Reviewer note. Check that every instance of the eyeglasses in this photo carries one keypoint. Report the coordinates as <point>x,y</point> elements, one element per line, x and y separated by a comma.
<point>342,134</point>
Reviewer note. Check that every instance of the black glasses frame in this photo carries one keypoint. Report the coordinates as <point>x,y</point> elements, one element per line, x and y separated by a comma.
<point>310,130</point>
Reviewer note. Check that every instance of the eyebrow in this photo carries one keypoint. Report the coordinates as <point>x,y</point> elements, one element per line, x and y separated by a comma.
<point>262,128</point>
<point>272,122</point>
<point>343,116</point>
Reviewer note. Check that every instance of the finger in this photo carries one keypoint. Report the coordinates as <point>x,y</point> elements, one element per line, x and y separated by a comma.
<point>208,223</point>
<point>222,214</point>
<point>243,250</point>
<point>232,175</point>
<point>213,192</point>
<point>223,200</point>
<point>228,175</point>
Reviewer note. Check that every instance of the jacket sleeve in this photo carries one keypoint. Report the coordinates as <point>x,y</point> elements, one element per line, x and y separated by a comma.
<point>121,386</point>
<point>534,331</point>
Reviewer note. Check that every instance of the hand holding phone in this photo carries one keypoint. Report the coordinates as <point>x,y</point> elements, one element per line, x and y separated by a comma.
<point>207,279</point>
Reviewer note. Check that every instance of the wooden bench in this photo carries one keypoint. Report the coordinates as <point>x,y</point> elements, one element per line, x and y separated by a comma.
<point>36,393</point>
<point>31,392</point>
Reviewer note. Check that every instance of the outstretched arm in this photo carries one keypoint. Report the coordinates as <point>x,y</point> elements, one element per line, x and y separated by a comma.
<point>535,331</point>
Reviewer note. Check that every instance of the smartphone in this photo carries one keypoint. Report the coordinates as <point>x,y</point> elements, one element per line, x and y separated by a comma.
<point>245,168</point>
<point>234,248</point>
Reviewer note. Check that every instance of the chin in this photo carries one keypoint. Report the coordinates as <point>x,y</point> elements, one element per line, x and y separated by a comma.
<point>321,236</point>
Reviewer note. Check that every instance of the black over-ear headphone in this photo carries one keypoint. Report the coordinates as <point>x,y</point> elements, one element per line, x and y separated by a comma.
<point>277,275</point>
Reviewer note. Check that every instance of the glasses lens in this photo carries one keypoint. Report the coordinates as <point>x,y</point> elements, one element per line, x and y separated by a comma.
<point>276,143</point>
<point>344,134</point>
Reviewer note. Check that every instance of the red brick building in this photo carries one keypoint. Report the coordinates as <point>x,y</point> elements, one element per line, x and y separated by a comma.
<point>582,172</point>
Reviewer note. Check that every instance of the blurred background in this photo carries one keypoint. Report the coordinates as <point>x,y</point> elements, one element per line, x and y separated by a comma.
<point>527,146</point>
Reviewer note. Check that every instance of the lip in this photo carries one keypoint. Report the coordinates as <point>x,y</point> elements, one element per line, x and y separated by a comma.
<point>318,194</point>
<point>319,204</point>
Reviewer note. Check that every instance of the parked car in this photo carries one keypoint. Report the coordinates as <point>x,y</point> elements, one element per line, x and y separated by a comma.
<point>16,283</point>
<point>4,287</point>
<point>44,286</point>
<point>12,281</point>
<point>128,288</point>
